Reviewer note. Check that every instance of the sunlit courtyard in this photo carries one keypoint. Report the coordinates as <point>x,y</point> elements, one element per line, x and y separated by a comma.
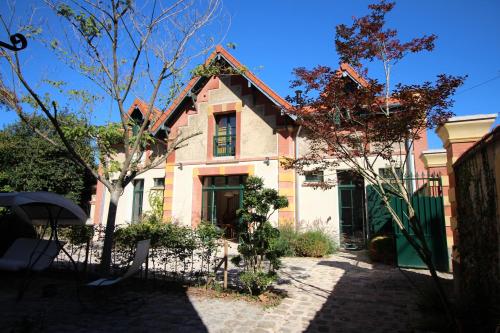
<point>341,293</point>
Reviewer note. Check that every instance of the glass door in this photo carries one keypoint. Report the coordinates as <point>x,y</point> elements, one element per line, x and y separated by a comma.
<point>351,210</point>
<point>222,196</point>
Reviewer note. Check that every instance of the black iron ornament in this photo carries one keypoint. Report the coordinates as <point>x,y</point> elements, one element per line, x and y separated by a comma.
<point>18,41</point>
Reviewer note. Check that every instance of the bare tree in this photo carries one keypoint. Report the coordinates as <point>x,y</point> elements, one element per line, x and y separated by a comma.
<point>114,49</point>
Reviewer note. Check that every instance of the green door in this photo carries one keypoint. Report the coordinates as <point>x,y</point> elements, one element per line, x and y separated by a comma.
<point>430,213</point>
<point>351,211</point>
<point>221,197</point>
<point>428,204</point>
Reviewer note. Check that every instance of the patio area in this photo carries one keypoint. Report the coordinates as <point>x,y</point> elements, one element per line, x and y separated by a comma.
<point>342,293</point>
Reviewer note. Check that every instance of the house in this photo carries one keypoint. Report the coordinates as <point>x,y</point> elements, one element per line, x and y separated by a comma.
<point>244,131</point>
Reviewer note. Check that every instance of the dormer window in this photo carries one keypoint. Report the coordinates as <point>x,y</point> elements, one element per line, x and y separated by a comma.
<point>225,135</point>
<point>136,120</point>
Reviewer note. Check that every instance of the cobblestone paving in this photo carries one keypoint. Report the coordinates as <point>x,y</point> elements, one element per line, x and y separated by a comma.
<point>336,294</point>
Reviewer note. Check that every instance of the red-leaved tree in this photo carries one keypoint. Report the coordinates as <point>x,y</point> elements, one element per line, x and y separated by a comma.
<point>356,120</point>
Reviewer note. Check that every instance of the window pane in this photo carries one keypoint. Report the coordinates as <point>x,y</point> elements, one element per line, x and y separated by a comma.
<point>233,180</point>
<point>388,175</point>
<point>314,176</point>
<point>232,123</point>
<point>220,181</point>
<point>204,208</point>
<point>345,196</point>
<point>221,121</point>
<point>224,138</point>
<point>159,182</point>
<point>137,199</point>
<point>138,185</point>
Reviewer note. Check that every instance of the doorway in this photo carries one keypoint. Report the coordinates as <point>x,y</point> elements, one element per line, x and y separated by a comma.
<point>222,196</point>
<point>351,210</point>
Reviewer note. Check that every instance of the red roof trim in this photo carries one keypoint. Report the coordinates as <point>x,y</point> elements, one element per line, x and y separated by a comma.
<point>143,106</point>
<point>345,67</point>
<point>233,62</point>
<point>175,103</point>
<point>255,80</point>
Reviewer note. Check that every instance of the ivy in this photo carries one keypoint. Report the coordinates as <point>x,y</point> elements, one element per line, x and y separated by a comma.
<point>217,69</point>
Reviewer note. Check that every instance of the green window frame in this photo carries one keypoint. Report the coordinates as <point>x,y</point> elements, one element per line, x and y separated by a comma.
<point>137,199</point>
<point>387,174</point>
<point>211,184</point>
<point>224,140</point>
<point>314,176</point>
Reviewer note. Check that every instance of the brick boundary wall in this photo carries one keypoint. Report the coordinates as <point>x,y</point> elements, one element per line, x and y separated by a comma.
<point>477,187</point>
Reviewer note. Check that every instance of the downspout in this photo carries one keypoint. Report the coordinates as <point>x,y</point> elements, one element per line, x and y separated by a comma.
<point>297,209</point>
<point>410,165</point>
<point>103,202</point>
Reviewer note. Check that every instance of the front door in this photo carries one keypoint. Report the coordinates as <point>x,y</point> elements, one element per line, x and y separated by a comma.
<point>351,210</point>
<point>221,198</point>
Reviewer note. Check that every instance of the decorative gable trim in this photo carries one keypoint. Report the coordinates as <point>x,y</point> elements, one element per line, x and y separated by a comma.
<point>220,52</point>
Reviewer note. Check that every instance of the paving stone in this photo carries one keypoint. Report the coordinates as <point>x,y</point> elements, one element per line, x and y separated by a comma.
<point>337,294</point>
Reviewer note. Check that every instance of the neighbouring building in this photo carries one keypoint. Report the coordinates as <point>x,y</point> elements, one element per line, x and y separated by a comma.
<point>244,131</point>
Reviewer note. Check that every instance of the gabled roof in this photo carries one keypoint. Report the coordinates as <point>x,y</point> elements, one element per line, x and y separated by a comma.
<point>142,106</point>
<point>278,100</point>
<point>220,52</point>
<point>184,93</point>
<point>346,69</point>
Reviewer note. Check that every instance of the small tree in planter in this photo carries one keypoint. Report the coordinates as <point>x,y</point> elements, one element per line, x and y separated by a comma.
<point>257,235</point>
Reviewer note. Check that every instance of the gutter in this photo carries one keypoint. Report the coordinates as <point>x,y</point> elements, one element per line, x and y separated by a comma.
<point>410,166</point>
<point>297,209</point>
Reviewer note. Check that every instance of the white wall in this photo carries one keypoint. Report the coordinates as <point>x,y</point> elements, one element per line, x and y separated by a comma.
<point>183,186</point>
<point>124,210</point>
<point>320,208</point>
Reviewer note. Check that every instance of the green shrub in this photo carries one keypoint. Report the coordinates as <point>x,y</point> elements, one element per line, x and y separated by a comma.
<point>256,234</point>
<point>208,234</point>
<point>314,244</point>
<point>381,249</point>
<point>257,282</point>
<point>77,234</point>
<point>178,240</point>
<point>127,237</point>
<point>287,240</point>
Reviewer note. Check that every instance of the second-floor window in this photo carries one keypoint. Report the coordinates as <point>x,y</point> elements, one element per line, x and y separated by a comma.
<point>225,135</point>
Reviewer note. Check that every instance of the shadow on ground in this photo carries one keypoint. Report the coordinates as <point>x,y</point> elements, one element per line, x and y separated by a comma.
<point>53,303</point>
<point>374,298</point>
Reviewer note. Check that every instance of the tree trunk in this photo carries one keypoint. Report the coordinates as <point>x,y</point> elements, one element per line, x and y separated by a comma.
<point>108,235</point>
<point>426,257</point>
<point>450,315</point>
<point>421,247</point>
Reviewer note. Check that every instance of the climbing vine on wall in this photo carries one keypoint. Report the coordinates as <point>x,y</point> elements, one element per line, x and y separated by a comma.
<point>478,228</point>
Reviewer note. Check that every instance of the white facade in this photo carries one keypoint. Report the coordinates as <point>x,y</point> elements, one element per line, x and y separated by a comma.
<point>124,209</point>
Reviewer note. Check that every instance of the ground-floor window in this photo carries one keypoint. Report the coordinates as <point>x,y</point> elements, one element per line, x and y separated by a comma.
<point>137,200</point>
<point>221,198</point>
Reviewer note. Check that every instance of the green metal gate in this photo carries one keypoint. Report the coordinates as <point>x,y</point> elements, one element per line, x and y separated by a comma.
<point>427,202</point>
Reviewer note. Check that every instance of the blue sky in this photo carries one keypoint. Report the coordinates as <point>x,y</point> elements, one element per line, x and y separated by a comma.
<point>275,36</point>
